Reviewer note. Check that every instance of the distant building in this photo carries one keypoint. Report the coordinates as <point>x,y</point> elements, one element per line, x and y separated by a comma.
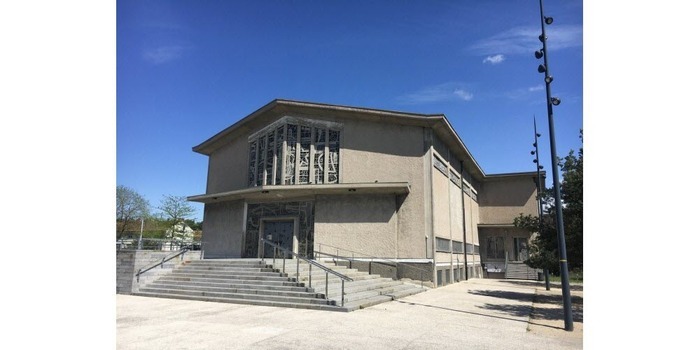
<point>396,185</point>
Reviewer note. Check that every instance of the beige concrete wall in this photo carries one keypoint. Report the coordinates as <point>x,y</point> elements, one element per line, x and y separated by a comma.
<point>222,231</point>
<point>389,153</point>
<point>365,224</point>
<point>456,214</point>
<point>502,200</point>
<point>228,167</point>
<point>441,205</point>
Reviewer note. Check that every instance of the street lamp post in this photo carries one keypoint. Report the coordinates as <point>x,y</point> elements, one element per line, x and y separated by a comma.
<point>564,266</point>
<point>538,183</point>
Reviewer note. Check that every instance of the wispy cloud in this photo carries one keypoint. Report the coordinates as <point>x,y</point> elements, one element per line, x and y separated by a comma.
<point>453,91</point>
<point>495,59</point>
<point>523,94</point>
<point>163,54</point>
<point>522,40</point>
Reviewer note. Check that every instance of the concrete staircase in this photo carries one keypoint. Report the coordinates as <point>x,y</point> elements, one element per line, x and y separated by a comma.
<point>519,270</point>
<point>250,281</point>
<point>363,291</point>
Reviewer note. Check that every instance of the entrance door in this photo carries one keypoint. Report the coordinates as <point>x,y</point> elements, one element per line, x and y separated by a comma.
<point>520,247</point>
<point>279,232</point>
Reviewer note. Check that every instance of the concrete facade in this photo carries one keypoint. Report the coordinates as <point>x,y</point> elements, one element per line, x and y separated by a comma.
<point>404,188</point>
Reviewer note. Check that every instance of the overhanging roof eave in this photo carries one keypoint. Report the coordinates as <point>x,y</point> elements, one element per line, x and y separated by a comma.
<point>282,192</point>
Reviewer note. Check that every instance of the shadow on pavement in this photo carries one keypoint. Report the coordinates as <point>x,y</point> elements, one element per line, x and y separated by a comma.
<point>576,287</point>
<point>541,298</point>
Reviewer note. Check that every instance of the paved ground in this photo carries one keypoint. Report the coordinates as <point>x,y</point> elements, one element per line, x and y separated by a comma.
<point>479,313</point>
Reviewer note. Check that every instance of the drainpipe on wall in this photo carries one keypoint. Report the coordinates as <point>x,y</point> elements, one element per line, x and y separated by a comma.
<point>464,221</point>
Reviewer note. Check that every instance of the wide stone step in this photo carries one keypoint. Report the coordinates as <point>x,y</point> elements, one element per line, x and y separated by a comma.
<point>225,263</point>
<point>208,294</point>
<point>380,288</point>
<point>336,282</point>
<point>367,302</point>
<point>247,301</point>
<point>271,276</point>
<point>282,281</point>
<point>226,269</point>
<point>250,289</point>
<point>279,287</point>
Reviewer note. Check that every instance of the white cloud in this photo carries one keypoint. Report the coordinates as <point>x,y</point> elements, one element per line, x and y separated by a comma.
<point>496,59</point>
<point>163,54</point>
<point>463,94</point>
<point>452,91</point>
<point>536,88</point>
<point>522,40</point>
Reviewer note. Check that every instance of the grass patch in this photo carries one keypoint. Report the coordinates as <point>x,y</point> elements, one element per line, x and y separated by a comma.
<point>575,276</point>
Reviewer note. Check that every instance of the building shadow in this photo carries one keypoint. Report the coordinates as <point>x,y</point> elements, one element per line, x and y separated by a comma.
<point>545,313</point>
<point>534,284</point>
<point>519,313</point>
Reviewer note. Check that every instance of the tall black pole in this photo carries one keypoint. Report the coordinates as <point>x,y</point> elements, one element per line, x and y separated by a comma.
<point>538,183</point>
<point>563,264</point>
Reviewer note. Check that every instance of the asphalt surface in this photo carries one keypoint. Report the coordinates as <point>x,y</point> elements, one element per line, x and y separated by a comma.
<point>479,314</point>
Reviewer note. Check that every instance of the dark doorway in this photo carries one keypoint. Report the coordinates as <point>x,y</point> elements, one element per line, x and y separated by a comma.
<point>279,232</point>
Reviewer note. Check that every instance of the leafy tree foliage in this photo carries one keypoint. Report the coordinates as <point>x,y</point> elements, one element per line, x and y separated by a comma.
<point>176,209</point>
<point>544,250</point>
<point>130,206</point>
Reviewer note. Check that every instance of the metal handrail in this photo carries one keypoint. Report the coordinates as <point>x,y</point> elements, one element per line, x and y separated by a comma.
<point>277,247</point>
<point>161,262</point>
<point>134,244</point>
<point>352,258</point>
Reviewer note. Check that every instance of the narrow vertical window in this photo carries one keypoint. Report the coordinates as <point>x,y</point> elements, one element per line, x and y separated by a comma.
<point>278,155</point>
<point>261,161</point>
<point>333,155</point>
<point>305,154</point>
<point>269,157</point>
<point>291,162</point>
<point>252,159</point>
<point>319,151</point>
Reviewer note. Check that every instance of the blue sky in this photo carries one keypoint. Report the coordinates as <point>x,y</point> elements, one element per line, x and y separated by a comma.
<point>188,69</point>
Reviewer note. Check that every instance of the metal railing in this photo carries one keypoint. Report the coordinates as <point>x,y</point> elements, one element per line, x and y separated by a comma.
<point>157,244</point>
<point>360,257</point>
<point>161,262</point>
<point>286,252</point>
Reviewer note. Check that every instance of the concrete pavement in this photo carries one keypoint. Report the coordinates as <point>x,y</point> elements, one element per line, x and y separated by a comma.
<point>479,313</point>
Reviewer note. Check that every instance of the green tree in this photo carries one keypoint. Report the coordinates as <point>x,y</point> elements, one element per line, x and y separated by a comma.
<point>176,210</point>
<point>130,206</point>
<point>544,249</point>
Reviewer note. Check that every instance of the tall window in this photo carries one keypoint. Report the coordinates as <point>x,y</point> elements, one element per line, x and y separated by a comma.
<point>495,248</point>
<point>294,153</point>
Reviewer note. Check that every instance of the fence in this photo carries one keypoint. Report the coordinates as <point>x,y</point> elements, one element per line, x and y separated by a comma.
<point>157,244</point>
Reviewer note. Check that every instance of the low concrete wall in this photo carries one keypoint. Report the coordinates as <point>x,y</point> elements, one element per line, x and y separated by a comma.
<point>129,261</point>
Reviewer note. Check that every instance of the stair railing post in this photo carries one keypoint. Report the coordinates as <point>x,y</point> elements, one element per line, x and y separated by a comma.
<point>162,262</point>
<point>284,261</point>
<point>342,292</point>
<point>327,285</point>
<point>353,258</point>
<point>309,275</point>
<point>297,269</point>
